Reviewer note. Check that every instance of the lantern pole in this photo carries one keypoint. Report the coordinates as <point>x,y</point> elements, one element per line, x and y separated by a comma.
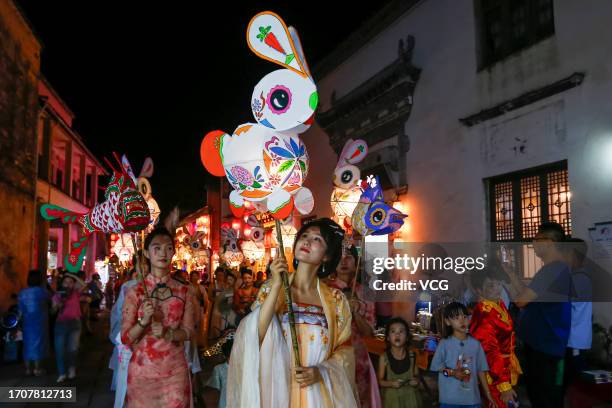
<point>361,252</point>
<point>140,261</point>
<point>288,301</point>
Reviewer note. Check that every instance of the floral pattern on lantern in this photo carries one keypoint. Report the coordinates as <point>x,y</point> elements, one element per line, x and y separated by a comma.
<point>343,203</point>
<point>233,259</point>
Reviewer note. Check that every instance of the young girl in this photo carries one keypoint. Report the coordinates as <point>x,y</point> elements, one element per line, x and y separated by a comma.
<point>460,361</point>
<point>263,373</point>
<point>397,371</point>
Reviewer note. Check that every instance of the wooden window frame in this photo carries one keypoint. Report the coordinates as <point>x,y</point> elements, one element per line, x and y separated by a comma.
<point>515,178</point>
<point>535,31</point>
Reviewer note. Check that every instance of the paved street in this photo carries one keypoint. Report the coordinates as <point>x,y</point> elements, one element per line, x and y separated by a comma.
<point>93,375</point>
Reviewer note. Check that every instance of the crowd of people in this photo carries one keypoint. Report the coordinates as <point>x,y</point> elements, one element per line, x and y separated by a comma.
<point>56,311</point>
<point>161,317</point>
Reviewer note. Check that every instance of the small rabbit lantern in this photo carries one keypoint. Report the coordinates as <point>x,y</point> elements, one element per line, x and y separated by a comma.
<point>232,254</point>
<point>347,190</point>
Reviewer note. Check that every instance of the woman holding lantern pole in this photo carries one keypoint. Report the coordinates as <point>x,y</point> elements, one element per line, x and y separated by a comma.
<point>263,370</point>
<point>157,319</point>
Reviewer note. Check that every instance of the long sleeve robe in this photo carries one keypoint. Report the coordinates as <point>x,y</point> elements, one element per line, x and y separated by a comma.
<point>262,376</point>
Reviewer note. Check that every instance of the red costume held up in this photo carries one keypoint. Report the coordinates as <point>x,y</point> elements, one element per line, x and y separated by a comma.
<point>491,324</point>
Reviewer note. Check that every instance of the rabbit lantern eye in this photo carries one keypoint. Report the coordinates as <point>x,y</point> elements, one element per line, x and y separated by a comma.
<point>257,234</point>
<point>196,245</point>
<point>282,101</point>
<point>279,99</point>
<point>346,176</point>
<point>144,187</point>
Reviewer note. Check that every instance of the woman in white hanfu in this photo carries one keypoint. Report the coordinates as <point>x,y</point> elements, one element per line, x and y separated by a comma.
<point>262,371</point>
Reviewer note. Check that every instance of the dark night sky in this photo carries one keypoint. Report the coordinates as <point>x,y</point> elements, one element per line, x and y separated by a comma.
<point>151,79</point>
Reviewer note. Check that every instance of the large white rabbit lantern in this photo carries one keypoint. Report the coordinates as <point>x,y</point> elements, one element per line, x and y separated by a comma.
<point>266,162</point>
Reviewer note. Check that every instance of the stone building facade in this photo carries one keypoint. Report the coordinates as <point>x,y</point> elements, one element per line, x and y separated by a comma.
<point>42,160</point>
<point>68,177</point>
<point>19,73</point>
<point>487,117</point>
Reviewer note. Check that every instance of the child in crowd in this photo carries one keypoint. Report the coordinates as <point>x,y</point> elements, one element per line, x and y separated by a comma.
<point>397,371</point>
<point>244,296</point>
<point>218,378</point>
<point>460,361</point>
<point>492,325</point>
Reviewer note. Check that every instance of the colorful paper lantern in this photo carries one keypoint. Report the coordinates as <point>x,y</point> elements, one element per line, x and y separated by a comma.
<point>229,244</point>
<point>124,210</point>
<point>372,216</point>
<point>266,162</point>
<point>347,190</point>
<point>253,251</point>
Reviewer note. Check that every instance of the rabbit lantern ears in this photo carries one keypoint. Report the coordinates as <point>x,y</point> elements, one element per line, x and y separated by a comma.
<point>284,100</point>
<point>346,174</point>
<point>144,186</point>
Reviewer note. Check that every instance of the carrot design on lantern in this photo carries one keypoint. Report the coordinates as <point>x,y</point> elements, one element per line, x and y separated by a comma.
<point>265,35</point>
<point>357,151</point>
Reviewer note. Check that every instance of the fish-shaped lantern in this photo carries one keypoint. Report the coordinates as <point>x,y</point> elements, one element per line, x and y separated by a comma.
<point>372,216</point>
<point>123,210</point>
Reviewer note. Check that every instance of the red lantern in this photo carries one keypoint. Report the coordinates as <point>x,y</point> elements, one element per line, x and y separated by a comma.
<point>236,224</point>
<point>247,231</point>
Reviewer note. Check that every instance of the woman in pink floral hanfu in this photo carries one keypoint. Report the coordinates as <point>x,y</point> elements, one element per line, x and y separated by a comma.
<point>155,328</point>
